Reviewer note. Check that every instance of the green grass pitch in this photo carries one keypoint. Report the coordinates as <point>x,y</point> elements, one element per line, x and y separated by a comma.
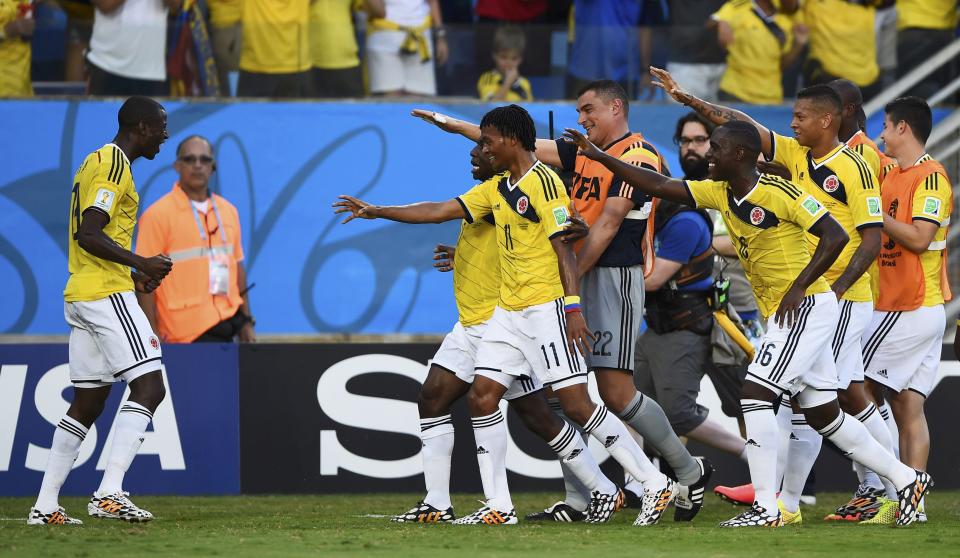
<point>346,525</point>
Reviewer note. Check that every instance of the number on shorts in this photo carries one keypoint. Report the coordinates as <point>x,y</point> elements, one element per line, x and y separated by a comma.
<point>556,357</point>
<point>604,337</point>
<point>764,356</point>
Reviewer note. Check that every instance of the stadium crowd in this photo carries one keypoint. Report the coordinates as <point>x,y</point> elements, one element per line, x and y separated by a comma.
<point>502,50</point>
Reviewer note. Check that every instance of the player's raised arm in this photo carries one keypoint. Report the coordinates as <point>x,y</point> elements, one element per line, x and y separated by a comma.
<point>546,148</point>
<point>645,180</point>
<point>422,212</point>
<point>90,237</point>
<point>832,240</point>
<point>717,114</point>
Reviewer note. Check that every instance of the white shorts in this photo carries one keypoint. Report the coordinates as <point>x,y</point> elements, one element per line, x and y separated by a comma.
<point>794,358</point>
<point>391,70</point>
<point>902,349</point>
<point>110,340</point>
<point>533,342</point>
<point>458,352</point>
<point>847,349</point>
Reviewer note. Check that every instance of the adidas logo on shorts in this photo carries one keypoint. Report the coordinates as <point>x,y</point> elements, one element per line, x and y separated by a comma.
<point>481,450</point>
<point>610,441</point>
<point>882,372</point>
<point>751,442</point>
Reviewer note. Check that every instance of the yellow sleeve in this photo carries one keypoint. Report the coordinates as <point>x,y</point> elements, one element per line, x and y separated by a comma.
<point>487,86</point>
<point>871,157</point>
<point>552,204</point>
<point>804,211</point>
<point>932,200</point>
<point>103,191</point>
<point>704,192</point>
<point>727,12</point>
<point>477,202</point>
<point>527,90</point>
<point>786,150</point>
<point>863,197</point>
<point>8,12</point>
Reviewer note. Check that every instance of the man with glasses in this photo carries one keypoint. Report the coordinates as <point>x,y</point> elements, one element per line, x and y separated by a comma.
<point>206,299</point>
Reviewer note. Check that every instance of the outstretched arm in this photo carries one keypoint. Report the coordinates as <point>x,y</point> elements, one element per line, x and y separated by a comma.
<point>715,113</point>
<point>423,212</point>
<point>546,148</point>
<point>645,180</point>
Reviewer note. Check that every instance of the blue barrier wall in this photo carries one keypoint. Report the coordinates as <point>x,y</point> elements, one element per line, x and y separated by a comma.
<point>191,447</point>
<point>282,164</point>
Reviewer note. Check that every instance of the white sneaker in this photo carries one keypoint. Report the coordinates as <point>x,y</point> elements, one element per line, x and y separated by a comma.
<point>58,517</point>
<point>117,506</point>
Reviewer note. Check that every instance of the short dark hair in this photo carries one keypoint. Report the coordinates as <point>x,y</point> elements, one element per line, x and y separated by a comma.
<point>915,112</point>
<point>193,137</point>
<point>743,135</point>
<point>509,37</point>
<point>136,110</point>
<point>609,90</point>
<point>513,121</point>
<point>692,116</point>
<point>824,94</point>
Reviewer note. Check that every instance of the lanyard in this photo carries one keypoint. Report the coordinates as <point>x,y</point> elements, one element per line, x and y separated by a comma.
<point>201,226</point>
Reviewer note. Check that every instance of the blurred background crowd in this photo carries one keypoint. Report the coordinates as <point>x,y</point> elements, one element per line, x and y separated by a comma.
<point>753,51</point>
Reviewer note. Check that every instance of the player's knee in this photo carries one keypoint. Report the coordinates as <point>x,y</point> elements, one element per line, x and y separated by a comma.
<point>752,390</point>
<point>148,391</point>
<point>617,400</point>
<point>537,416</point>
<point>429,402</point>
<point>579,412</point>
<point>481,402</point>
<point>86,411</point>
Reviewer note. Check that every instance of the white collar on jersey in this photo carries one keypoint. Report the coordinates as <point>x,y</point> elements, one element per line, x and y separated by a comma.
<point>514,185</point>
<point>740,201</point>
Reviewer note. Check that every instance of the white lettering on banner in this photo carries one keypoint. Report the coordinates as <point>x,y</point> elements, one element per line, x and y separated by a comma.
<point>12,379</point>
<point>51,405</point>
<point>163,441</point>
<point>400,417</point>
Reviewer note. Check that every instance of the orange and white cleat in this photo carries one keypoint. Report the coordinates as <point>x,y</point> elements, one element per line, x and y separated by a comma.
<point>57,517</point>
<point>117,506</point>
<point>488,516</point>
<point>742,495</point>
<point>655,503</point>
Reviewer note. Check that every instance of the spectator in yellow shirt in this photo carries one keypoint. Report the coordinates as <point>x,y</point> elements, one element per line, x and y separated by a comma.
<point>16,31</point>
<point>760,42</point>
<point>504,83</point>
<point>336,69</point>
<point>842,44</point>
<point>225,38</point>
<point>924,27</point>
<point>275,54</point>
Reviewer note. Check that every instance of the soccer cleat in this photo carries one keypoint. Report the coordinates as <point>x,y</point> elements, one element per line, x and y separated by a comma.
<point>742,495</point>
<point>631,499</point>
<point>488,516</point>
<point>885,514</point>
<point>558,512</point>
<point>58,517</point>
<point>863,505</point>
<point>425,513</point>
<point>602,506</point>
<point>756,516</point>
<point>117,506</point>
<point>655,503</point>
<point>790,518</point>
<point>909,498</point>
<point>689,500</point>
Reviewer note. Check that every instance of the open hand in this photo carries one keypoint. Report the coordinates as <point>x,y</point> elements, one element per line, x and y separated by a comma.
<point>787,312</point>
<point>665,81</point>
<point>356,207</point>
<point>439,120</point>
<point>579,336</point>
<point>443,257</point>
<point>587,149</point>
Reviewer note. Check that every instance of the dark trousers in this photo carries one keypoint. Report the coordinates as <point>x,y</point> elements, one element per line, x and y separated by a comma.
<point>102,82</point>
<point>253,84</point>
<point>223,332</point>
<point>337,84</point>
<point>914,47</point>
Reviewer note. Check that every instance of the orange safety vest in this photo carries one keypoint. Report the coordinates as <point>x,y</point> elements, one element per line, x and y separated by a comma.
<point>902,283</point>
<point>185,306</point>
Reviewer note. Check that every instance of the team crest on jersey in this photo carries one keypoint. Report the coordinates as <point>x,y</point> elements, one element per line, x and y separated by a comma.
<point>756,215</point>
<point>831,183</point>
<point>154,342</point>
<point>522,204</point>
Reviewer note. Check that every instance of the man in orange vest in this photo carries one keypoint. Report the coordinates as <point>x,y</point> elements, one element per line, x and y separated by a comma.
<point>903,342</point>
<point>207,298</point>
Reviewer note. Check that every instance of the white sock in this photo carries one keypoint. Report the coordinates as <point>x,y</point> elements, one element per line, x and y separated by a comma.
<point>573,454</point>
<point>437,437</point>
<point>632,484</point>
<point>607,428</point>
<point>853,439</point>
<point>887,416</point>
<point>804,448</point>
<point>128,429</point>
<point>577,496</point>
<point>490,433</point>
<point>762,449</point>
<point>784,433</point>
<point>871,419</point>
<point>64,450</point>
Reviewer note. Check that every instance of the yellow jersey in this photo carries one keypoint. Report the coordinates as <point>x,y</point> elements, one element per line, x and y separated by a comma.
<point>102,183</point>
<point>224,13</point>
<point>490,82</point>
<point>275,36</point>
<point>753,59</point>
<point>842,39</point>
<point>933,202</point>
<point>767,228</point>
<point>528,214</point>
<point>333,42</point>
<point>476,269</point>
<point>844,183</point>
<point>14,55</point>
<point>927,14</point>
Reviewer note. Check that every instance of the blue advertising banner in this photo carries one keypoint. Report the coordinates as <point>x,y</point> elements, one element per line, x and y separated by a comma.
<point>191,447</point>
<point>282,165</point>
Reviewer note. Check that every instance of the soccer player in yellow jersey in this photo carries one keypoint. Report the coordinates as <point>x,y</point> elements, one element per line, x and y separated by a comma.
<point>537,327</point>
<point>841,180</point>
<point>110,338</point>
<point>476,266</point>
<point>769,217</point>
